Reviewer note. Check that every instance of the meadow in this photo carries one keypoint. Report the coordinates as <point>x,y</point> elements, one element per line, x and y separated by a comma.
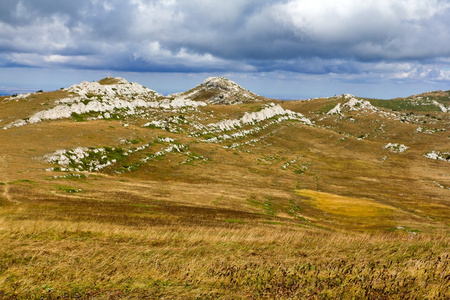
<point>272,208</point>
<point>129,250</point>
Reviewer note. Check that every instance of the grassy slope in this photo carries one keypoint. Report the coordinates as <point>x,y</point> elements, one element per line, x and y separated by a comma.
<point>241,224</point>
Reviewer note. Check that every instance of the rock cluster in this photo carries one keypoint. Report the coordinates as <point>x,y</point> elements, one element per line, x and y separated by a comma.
<point>122,88</point>
<point>82,159</point>
<point>396,148</point>
<point>221,90</point>
<point>353,104</point>
<point>268,112</point>
<point>438,155</point>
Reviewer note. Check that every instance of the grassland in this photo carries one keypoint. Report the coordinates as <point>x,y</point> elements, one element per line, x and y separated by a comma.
<point>86,260</point>
<point>293,211</point>
<point>127,246</point>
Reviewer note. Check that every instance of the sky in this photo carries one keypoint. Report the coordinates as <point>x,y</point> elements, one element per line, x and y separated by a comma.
<point>286,49</point>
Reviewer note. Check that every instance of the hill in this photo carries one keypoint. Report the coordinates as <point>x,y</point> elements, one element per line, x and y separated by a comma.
<point>108,189</point>
<point>219,90</point>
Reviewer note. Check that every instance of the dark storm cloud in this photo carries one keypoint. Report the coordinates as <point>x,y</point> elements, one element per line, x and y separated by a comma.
<point>304,36</point>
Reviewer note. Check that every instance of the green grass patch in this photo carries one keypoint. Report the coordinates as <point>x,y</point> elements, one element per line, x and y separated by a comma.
<point>151,126</point>
<point>131,167</point>
<point>326,108</point>
<point>68,189</point>
<point>72,176</point>
<point>115,153</point>
<point>135,141</point>
<point>236,221</point>
<point>21,181</point>
<point>266,206</point>
<point>404,105</point>
<point>79,117</point>
<point>404,229</point>
<point>208,136</point>
<point>299,171</point>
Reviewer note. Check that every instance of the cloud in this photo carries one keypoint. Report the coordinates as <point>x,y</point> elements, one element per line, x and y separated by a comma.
<point>389,39</point>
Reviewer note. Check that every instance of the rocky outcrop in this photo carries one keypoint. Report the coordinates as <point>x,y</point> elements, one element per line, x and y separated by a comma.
<point>104,100</point>
<point>396,148</point>
<point>438,155</point>
<point>268,112</point>
<point>122,88</point>
<point>353,104</point>
<point>219,90</point>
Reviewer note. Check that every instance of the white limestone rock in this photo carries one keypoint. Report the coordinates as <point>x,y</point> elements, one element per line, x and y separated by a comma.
<point>127,98</point>
<point>441,106</point>
<point>336,110</point>
<point>182,101</point>
<point>396,148</point>
<point>268,112</point>
<point>438,155</point>
<point>356,105</point>
<point>122,88</point>
<point>19,97</point>
<point>221,90</point>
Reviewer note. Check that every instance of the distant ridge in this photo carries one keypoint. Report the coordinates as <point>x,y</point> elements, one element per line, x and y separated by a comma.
<point>12,91</point>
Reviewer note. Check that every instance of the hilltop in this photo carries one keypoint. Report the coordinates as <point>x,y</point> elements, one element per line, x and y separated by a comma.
<point>111,188</point>
<point>220,90</point>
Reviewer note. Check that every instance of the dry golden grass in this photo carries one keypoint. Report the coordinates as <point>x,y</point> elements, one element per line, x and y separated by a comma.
<point>13,109</point>
<point>65,259</point>
<point>346,206</point>
<point>138,238</point>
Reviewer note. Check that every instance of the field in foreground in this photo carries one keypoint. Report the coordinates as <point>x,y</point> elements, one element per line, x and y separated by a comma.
<point>53,259</point>
<point>109,190</point>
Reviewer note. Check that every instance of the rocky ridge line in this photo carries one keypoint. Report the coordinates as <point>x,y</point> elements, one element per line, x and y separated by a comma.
<point>93,97</point>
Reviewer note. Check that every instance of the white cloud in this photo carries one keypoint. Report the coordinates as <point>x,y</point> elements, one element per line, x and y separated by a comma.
<point>405,39</point>
<point>372,28</point>
<point>154,52</point>
<point>43,35</point>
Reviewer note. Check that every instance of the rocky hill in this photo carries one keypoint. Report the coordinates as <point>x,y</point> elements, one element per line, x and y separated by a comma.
<point>219,90</point>
<point>219,132</point>
<point>115,165</point>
